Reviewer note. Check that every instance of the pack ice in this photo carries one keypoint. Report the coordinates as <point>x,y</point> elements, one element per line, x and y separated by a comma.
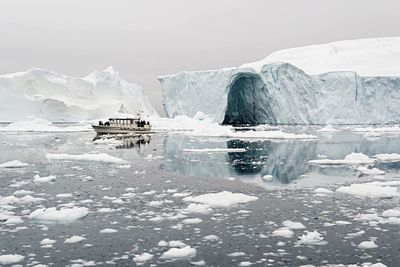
<point>57,97</point>
<point>344,82</point>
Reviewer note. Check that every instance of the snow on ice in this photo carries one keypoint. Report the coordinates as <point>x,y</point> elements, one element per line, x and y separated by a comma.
<point>63,215</point>
<point>102,157</point>
<point>57,97</point>
<point>311,85</point>
<point>222,199</point>
<point>13,164</point>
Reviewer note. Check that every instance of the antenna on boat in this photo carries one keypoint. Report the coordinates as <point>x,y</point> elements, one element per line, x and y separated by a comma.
<point>139,113</point>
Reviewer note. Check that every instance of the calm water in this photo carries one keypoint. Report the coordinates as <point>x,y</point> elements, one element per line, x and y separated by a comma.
<point>160,164</point>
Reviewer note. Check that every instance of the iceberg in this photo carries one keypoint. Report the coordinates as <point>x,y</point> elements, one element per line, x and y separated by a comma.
<point>55,97</point>
<point>347,82</point>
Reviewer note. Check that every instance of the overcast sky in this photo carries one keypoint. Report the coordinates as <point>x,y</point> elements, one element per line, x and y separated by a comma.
<point>146,38</point>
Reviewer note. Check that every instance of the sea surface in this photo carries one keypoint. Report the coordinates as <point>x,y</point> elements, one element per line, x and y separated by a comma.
<point>160,171</point>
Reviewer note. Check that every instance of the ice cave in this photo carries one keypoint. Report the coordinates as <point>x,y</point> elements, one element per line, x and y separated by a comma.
<point>248,101</point>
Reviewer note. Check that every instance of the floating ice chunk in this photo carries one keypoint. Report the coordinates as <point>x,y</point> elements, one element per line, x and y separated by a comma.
<point>105,210</point>
<point>155,203</point>
<point>391,213</point>
<point>328,129</point>
<point>47,241</point>
<point>175,244</point>
<point>74,239</point>
<point>22,192</point>
<point>14,220</point>
<point>162,243</point>
<point>283,232</point>
<point>393,157</point>
<point>214,150</point>
<point>64,215</point>
<point>183,194</point>
<point>11,258</point>
<point>192,221</point>
<point>10,200</point>
<point>370,190</point>
<point>268,178</point>
<point>222,199</point>
<point>143,257</point>
<point>108,231</point>
<point>359,233</point>
<point>29,199</point>
<point>342,222</point>
<point>311,238</point>
<point>198,263</point>
<point>196,208</point>
<point>45,179</point>
<point>367,245</point>
<point>179,253</point>
<point>323,191</point>
<point>211,238</point>
<point>387,129</point>
<point>366,217</point>
<point>13,164</point>
<point>293,225</point>
<point>367,171</point>
<point>41,125</point>
<point>149,193</point>
<point>101,157</point>
<point>351,159</point>
<point>237,254</point>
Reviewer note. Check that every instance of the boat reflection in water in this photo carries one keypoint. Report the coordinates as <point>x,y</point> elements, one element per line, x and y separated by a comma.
<point>124,141</point>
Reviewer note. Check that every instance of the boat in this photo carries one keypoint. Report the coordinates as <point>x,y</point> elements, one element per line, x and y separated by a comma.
<point>123,126</point>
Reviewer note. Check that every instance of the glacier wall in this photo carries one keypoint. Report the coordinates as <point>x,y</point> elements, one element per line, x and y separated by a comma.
<point>57,97</point>
<point>283,93</point>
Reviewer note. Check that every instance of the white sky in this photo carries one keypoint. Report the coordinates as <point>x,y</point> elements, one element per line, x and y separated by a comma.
<point>146,38</point>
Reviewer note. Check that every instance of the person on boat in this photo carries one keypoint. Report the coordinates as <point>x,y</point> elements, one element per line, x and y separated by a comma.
<point>100,123</point>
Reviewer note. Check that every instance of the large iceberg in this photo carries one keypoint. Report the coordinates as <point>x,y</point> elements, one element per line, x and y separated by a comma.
<point>347,82</point>
<point>57,97</point>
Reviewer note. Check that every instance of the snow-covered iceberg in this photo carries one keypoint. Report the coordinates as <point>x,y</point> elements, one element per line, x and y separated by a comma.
<point>57,97</point>
<point>347,82</point>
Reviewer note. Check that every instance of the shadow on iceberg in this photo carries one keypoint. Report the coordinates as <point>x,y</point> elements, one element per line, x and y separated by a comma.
<point>248,101</point>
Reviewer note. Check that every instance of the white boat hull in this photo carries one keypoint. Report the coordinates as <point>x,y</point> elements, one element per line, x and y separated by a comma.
<point>102,129</point>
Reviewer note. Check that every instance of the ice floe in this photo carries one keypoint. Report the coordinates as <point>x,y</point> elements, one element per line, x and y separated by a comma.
<point>283,232</point>
<point>186,252</point>
<point>371,190</point>
<point>44,179</point>
<point>368,171</point>
<point>222,199</point>
<point>367,245</point>
<point>42,125</point>
<point>393,157</point>
<point>142,258</point>
<point>311,238</point>
<point>13,164</point>
<point>351,159</point>
<point>74,239</point>
<point>63,215</point>
<point>11,258</point>
<point>102,157</point>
